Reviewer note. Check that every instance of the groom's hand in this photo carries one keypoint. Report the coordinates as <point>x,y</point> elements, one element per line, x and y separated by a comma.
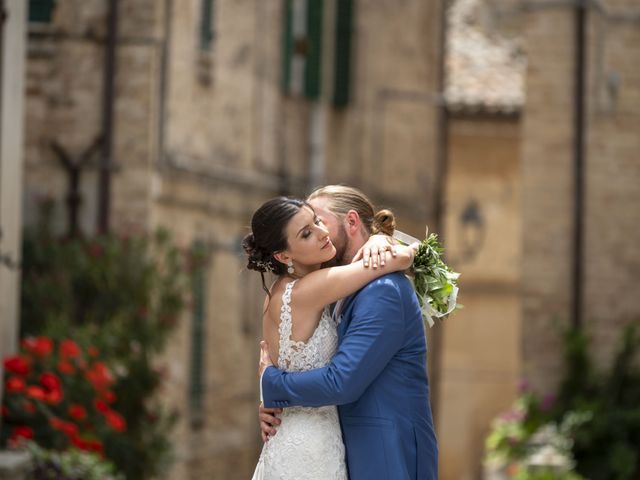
<point>268,421</point>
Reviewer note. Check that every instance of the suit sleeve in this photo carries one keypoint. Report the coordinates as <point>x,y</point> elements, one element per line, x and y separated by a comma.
<point>375,334</point>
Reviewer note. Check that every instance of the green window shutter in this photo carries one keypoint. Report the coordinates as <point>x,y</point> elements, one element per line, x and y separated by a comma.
<point>313,65</point>
<point>302,47</point>
<point>342,57</point>
<point>206,24</point>
<point>41,11</point>
<point>199,254</point>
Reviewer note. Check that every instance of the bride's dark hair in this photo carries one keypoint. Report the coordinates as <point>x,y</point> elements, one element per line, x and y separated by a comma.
<point>268,236</point>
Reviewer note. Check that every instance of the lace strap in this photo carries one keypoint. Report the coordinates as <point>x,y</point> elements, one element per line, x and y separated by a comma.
<point>285,317</point>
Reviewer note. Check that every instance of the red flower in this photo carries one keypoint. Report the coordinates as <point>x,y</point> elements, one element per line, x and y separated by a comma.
<point>29,407</point>
<point>99,376</point>
<point>50,381</point>
<point>69,349</point>
<point>117,422</point>
<point>21,431</point>
<point>35,392</point>
<point>93,351</point>
<point>14,384</point>
<point>68,428</point>
<point>77,411</point>
<point>53,397</point>
<point>101,406</point>
<point>66,367</point>
<point>38,346</point>
<point>108,396</point>
<point>17,364</point>
<point>87,445</point>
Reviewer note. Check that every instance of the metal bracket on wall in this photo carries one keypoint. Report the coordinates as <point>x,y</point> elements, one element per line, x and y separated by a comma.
<point>73,167</point>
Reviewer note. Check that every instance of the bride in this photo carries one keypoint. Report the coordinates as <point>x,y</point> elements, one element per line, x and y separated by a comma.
<point>289,240</point>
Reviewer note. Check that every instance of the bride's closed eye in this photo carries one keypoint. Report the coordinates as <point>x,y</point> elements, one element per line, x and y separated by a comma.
<point>317,221</point>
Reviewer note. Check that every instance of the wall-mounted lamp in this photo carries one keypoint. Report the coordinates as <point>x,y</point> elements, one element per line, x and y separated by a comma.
<point>472,230</point>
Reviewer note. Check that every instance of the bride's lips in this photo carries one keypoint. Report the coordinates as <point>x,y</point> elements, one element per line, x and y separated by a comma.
<point>326,244</point>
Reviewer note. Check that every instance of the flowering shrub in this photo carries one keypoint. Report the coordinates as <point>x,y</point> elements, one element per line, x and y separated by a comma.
<point>121,296</point>
<point>59,395</point>
<point>593,427</point>
<point>525,443</point>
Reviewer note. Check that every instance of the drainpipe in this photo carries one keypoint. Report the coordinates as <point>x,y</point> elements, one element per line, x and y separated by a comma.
<point>579,158</point>
<point>164,82</point>
<point>106,162</point>
<point>442,153</point>
<point>317,135</point>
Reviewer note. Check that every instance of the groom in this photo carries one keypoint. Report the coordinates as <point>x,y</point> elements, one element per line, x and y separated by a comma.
<point>378,377</point>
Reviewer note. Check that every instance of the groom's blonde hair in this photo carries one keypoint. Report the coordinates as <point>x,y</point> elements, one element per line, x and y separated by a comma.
<point>343,198</point>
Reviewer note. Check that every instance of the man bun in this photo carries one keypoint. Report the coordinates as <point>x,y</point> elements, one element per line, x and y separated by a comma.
<point>384,222</point>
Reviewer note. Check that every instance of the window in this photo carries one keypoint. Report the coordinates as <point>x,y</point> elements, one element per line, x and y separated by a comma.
<point>206,25</point>
<point>302,48</point>
<point>41,11</point>
<point>342,57</point>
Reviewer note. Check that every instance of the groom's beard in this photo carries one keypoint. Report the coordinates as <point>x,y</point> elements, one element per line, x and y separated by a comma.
<point>340,242</point>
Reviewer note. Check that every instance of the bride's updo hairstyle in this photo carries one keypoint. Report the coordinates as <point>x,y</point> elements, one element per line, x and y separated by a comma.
<point>268,235</point>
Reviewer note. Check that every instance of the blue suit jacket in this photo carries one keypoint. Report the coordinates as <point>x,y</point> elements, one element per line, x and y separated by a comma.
<point>378,377</point>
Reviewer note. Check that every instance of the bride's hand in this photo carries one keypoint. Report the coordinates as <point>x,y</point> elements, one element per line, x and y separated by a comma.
<point>265,359</point>
<point>375,250</point>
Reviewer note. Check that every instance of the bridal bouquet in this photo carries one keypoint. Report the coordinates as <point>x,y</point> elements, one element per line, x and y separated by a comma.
<point>436,285</point>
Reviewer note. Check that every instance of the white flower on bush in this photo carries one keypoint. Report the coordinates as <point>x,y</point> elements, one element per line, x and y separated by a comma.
<point>551,444</point>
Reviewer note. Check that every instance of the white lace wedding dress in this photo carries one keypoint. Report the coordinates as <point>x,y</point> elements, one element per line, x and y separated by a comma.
<point>308,443</point>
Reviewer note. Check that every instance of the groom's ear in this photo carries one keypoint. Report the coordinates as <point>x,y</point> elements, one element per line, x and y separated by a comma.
<point>352,221</point>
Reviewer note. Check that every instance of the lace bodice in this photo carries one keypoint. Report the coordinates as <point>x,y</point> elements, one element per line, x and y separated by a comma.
<point>314,353</point>
<point>308,445</point>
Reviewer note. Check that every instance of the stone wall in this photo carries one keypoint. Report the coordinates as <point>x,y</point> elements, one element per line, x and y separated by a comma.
<point>481,352</point>
<point>611,171</point>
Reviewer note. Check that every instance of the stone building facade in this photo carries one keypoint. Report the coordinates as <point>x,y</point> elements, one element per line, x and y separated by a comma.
<point>520,287</point>
<point>484,93</point>
<point>220,105</point>
<point>611,170</point>
<point>204,130</point>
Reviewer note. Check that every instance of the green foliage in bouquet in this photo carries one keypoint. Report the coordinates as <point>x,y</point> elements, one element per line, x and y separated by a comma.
<point>435,283</point>
<point>71,464</point>
<point>122,295</point>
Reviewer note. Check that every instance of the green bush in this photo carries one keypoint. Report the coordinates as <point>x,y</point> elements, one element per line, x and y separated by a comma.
<point>122,295</point>
<point>608,446</point>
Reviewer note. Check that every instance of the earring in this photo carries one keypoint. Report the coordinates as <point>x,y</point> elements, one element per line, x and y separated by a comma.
<point>290,269</point>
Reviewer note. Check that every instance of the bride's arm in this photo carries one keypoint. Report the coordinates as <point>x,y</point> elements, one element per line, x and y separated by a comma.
<point>329,285</point>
